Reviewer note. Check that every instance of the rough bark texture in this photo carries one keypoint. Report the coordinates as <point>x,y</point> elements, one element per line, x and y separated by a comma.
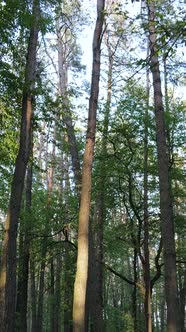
<point>167,223</point>
<point>82,259</point>
<point>8,267</point>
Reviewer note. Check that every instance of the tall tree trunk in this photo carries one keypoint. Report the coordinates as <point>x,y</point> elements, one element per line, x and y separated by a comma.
<point>39,321</point>
<point>50,178</point>
<point>82,259</point>
<point>33,293</point>
<point>52,296</point>
<point>63,66</point>
<point>166,208</point>
<point>8,266</point>
<point>148,313</point>
<point>167,112</point>
<point>58,290</point>
<point>59,261</point>
<point>183,303</point>
<point>96,300</point>
<point>68,291</point>
<point>63,53</point>
<point>22,288</point>
<point>134,293</point>
<point>162,315</point>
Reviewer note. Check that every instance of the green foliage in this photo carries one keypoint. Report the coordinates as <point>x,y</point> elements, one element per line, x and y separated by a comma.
<point>122,160</point>
<point>128,322</point>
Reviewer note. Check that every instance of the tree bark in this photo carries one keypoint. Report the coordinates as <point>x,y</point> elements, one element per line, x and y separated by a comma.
<point>148,314</point>
<point>166,208</point>
<point>134,293</point>
<point>82,259</point>
<point>63,53</point>
<point>8,266</point>
<point>96,300</point>
<point>182,303</point>
<point>22,288</point>
<point>63,67</point>
<point>58,290</point>
<point>67,263</point>
<point>39,320</point>
<point>50,183</point>
<point>33,293</point>
<point>52,296</point>
<point>68,291</point>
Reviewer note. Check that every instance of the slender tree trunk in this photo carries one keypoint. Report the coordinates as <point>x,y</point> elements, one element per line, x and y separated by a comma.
<point>33,293</point>
<point>148,313</point>
<point>63,66</point>
<point>67,263</point>
<point>90,296</point>
<point>8,267</point>
<point>20,273</point>
<point>52,296</point>
<point>166,208</point>
<point>58,290</point>
<point>39,322</point>
<point>50,177</point>
<point>22,288</point>
<point>59,263</point>
<point>162,315</point>
<point>134,293</point>
<point>82,259</point>
<point>63,53</point>
<point>183,303</point>
<point>96,301</point>
<point>167,112</point>
<point>68,292</point>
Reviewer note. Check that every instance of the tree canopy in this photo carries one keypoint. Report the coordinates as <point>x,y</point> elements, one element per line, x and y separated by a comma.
<point>92,171</point>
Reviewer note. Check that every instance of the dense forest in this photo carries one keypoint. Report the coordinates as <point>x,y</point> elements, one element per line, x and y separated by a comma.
<point>92,166</point>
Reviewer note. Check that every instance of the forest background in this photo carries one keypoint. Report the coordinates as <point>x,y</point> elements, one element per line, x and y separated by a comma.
<point>118,160</point>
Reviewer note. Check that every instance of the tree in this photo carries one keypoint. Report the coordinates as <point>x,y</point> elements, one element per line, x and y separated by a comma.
<point>84,213</point>
<point>24,254</point>
<point>147,304</point>
<point>166,207</point>
<point>123,224</point>
<point>8,264</point>
<point>67,54</point>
